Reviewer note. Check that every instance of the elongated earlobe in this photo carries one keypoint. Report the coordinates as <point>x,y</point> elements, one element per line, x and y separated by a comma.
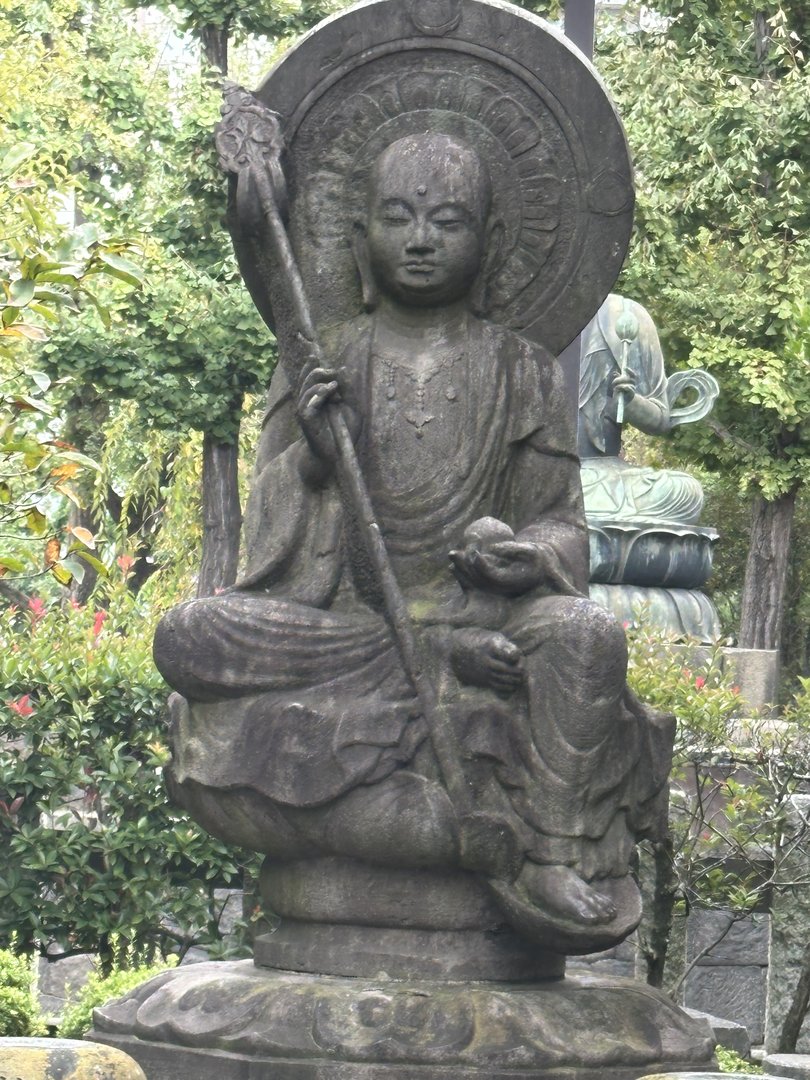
<point>490,265</point>
<point>360,252</point>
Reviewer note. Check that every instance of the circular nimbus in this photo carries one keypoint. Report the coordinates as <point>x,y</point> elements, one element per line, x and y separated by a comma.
<point>500,80</point>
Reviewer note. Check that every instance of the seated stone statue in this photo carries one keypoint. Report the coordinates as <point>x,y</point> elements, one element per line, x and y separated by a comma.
<point>298,732</point>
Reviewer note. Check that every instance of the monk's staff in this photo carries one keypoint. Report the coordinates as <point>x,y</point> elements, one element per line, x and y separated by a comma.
<point>250,145</point>
<point>627,331</point>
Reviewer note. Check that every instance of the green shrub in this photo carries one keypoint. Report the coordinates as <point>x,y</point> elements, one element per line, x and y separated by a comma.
<point>99,989</point>
<point>19,1010</point>
<point>730,1061</point>
<point>731,779</point>
<point>91,846</point>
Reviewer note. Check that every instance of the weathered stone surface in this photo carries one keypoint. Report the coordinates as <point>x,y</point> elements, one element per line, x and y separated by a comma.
<point>60,981</point>
<point>726,1032</point>
<point>782,980</point>
<point>407,702</point>
<point>796,1066</point>
<point>309,1027</point>
<point>65,1059</point>
<point>739,995</point>
<point>756,672</point>
<point>734,941</point>
<point>624,969</point>
<point>698,1076</point>
<point>353,696</point>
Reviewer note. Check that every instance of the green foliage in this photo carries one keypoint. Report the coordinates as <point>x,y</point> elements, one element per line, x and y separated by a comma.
<point>101,989</point>
<point>730,1061</point>
<point>47,273</point>
<point>715,102</point>
<point>189,344</point>
<point>19,1012</point>
<point>186,348</point>
<point>731,779</point>
<point>267,18</point>
<point>92,848</point>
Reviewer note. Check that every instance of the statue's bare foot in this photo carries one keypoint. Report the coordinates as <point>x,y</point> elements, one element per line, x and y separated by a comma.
<point>562,890</point>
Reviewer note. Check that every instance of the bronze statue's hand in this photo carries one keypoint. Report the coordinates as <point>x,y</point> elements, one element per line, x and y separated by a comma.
<point>625,384</point>
<point>623,388</point>
<point>486,658</point>
<point>511,567</point>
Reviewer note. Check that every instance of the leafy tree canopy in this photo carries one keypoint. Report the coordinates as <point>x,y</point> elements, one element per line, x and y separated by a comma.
<point>716,100</point>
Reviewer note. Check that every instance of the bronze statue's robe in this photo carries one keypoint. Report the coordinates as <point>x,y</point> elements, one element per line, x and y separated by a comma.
<point>613,488</point>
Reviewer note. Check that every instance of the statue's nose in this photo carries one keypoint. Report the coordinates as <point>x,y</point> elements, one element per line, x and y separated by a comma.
<point>419,240</point>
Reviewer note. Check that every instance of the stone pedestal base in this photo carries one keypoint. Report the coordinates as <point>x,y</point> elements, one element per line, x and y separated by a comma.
<point>236,1021</point>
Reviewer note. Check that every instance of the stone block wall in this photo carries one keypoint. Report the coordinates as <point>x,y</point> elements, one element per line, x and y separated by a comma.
<point>729,982</point>
<point>790,932</point>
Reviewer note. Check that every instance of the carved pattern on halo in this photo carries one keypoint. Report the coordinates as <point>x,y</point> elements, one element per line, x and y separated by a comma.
<point>532,165</point>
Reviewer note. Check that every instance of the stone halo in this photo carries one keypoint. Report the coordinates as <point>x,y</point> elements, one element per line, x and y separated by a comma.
<point>559,160</point>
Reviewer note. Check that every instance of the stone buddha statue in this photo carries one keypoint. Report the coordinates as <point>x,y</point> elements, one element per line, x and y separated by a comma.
<point>298,733</point>
<point>408,702</point>
<point>647,549</point>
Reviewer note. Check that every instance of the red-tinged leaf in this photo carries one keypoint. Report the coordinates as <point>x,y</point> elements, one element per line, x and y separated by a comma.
<point>60,444</point>
<point>24,330</point>
<point>69,493</point>
<point>66,471</point>
<point>80,532</point>
<point>26,403</point>
<point>52,551</point>
<point>22,706</point>
<point>37,607</point>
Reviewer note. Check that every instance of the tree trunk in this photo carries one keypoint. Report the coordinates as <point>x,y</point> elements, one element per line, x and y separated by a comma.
<point>222,515</point>
<point>792,1026</point>
<point>659,889</point>
<point>215,47</point>
<point>766,570</point>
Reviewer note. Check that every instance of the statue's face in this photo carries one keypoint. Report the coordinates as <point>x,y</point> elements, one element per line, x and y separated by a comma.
<point>428,204</point>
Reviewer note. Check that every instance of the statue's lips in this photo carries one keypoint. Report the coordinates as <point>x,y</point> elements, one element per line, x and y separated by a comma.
<point>419,267</point>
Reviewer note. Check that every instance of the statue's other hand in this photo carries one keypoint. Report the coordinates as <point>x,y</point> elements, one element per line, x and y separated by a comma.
<point>511,567</point>
<point>486,658</point>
